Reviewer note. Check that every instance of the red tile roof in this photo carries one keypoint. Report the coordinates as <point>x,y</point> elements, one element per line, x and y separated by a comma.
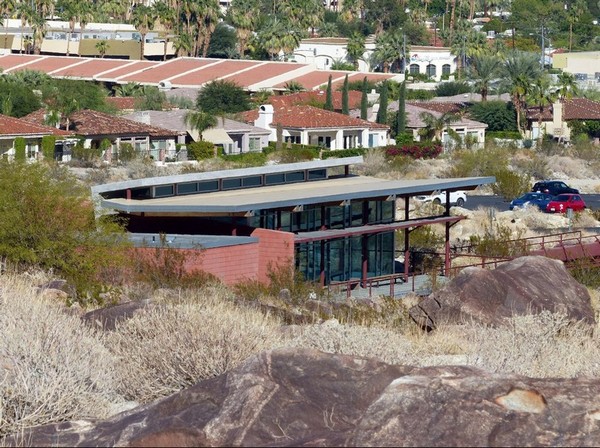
<point>573,109</point>
<point>90,68</point>
<point>122,102</point>
<point>91,122</point>
<point>169,69</point>
<point>20,127</point>
<point>316,96</point>
<point>218,70</point>
<point>307,117</point>
<point>438,106</point>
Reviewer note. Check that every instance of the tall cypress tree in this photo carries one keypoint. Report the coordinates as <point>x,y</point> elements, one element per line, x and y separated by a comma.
<point>364,100</point>
<point>383,104</point>
<point>401,116</point>
<point>345,107</point>
<point>328,96</point>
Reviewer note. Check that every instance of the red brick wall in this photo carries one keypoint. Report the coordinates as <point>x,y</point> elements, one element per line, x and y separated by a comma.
<point>275,248</point>
<point>233,264</point>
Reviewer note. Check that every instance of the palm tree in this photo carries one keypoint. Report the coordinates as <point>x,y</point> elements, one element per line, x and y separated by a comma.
<point>482,71</point>
<point>269,37</point>
<point>567,86</point>
<point>207,15</point>
<point>574,13</point>
<point>388,48</point>
<point>102,47</point>
<point>518,72</point>
<point>312,15</point>
<point>293,86</point>
<point>6,9</point>
<point>244,15</point>
<point>25,13</point>
<point>200,121</point>
<point>129,89</point>
<point>356,48</point>
<point>143,19</point>
<point>435,126</point>
<point>541,96</point>
<point>70,14</point>
<point>168,19</point>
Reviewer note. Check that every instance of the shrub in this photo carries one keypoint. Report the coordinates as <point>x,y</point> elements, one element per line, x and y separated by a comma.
<point>424,150</point>
<point>20,149</point>
<point>498,115</point>
<point>54,367</point>
<point>48,142</point>
<point>201,150</point>
<point>47,220</point>
<point>126,152</point>
<point>296,153</point>
<point>420,95</point>
<point>338,153</point>
<point>509,184</point>
<point>508,135</point>
<point>247,159</point>
<point>452,88</point>
<point>478,163</point>
<point>172,346</point>
<point>498,241</point>
<point>87,156</point>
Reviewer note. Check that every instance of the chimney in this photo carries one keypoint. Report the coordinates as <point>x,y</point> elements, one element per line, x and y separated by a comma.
<point>145,118</point>
<point>265,116</point>
<point>557,115</point>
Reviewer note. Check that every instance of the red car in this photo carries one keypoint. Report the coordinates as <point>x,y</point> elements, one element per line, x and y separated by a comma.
<point>563,202</point>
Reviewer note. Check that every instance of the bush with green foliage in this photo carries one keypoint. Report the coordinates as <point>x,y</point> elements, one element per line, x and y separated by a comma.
<point>48,142</point>
<point>504,135</point>
<point>19,96</point>
<point>201,150</point>
<point>497,240</point>
<point>419,95</point>
<point>466,163</point>
<point>591,128</point>
<point>86,156</point>
<point>20,146</point>
<point>47,220</point>
<point>452,88</point>
<point>509,184</point>
<point>221,97</point>
<point>498,115</point>
<point>339,153</point>
<point>248,159</point>
<point>126,153</point>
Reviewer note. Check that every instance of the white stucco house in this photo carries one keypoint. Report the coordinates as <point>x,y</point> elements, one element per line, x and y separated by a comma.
<point>324,51</point>
<point>308,125</point>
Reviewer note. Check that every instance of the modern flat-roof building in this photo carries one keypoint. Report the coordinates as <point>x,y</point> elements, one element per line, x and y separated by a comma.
<point>333,226</point>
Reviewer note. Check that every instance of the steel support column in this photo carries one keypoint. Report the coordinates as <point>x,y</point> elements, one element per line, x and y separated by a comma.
<point>406,239</point>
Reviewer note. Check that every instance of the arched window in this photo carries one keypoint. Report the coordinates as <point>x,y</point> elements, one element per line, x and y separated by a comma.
<point>430,70</point>
<point>414,69</point>
<point>446,69</point>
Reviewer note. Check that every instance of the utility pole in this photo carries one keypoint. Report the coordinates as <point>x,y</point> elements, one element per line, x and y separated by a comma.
<point>543,48</point>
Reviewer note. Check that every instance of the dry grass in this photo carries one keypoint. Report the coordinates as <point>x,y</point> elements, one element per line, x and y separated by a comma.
<point>52,367</point>
<point>178,343</point>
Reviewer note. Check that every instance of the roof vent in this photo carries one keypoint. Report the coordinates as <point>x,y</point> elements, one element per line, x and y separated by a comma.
<point>165,85</point>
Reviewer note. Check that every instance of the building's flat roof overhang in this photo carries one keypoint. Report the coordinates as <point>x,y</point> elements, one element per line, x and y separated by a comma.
<point>329,191</point>
<point>330,234</point>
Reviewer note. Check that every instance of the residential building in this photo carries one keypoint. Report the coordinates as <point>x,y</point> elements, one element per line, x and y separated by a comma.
<point>12,128</point>
<point>585,65</point>
<point>96,128</point>
<point>333,226</point>
<point>323,52</point>
<point>309,125</point>
<point>233,136</point>
<point>556,117</point>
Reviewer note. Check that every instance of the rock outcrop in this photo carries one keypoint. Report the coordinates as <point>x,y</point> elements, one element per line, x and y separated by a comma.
<point>295,397</point>
<point>107,318</point>
<point>526,285</point>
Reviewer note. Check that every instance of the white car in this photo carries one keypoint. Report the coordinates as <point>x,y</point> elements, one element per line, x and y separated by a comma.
<point>439,197</point>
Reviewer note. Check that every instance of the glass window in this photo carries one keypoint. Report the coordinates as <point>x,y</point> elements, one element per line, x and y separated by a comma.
<point>446,69</point>
<point>274,179</point>
<point>296,176</point>
<point>254,181</point>
<point>187,188</point>
<point>141,193</point>
<point>164,190</point>
<point>430,70</point>
<point>414,69</point>
<point>229,184</point>
<point>254,144</point>
<point>317,174</point>
<point>211,185</point>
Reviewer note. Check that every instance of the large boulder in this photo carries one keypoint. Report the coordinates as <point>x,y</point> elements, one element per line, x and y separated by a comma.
<point>297,397</point>
<point>526,285</point>
<point>107,318</point>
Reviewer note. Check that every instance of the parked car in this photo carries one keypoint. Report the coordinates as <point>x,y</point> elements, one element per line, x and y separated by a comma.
<point>540,200</point>
<point>553,187</point>
<point>563,202</point>
<point>439,197</point>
